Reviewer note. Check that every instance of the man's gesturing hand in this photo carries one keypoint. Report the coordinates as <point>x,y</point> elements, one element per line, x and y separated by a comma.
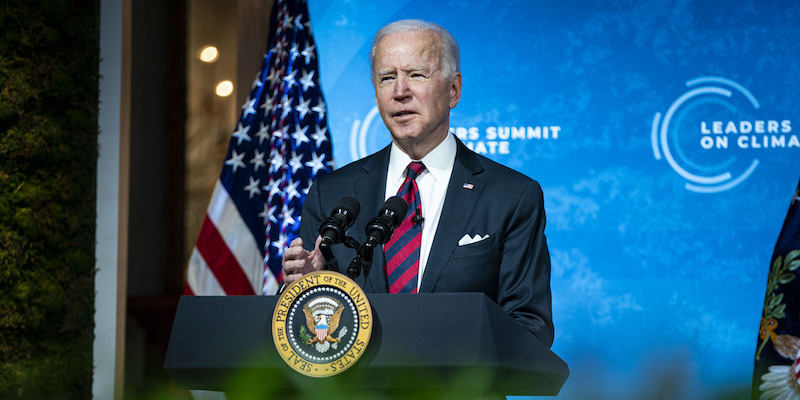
<point>298,261</point>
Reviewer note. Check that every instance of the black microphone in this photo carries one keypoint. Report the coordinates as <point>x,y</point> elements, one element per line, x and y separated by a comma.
<point>342,217</point>
<point>379,229</point>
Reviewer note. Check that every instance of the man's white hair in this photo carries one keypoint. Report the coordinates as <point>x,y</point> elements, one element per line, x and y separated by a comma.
<point>449,57</point>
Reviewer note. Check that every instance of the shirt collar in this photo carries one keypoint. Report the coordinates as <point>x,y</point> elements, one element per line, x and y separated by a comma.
<point>439,162</point>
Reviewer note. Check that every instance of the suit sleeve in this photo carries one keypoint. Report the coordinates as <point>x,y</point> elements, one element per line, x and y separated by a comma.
<point>524,276</point>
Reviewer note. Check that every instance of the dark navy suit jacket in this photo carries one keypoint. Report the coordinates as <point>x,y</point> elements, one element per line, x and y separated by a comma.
<point>511,266</point>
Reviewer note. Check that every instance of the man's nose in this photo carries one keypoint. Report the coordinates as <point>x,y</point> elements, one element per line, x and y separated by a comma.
<point>401,90</point>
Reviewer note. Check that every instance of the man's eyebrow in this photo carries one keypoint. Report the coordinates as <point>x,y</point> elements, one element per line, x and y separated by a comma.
<point>418,68</point>
<point>392,71</point>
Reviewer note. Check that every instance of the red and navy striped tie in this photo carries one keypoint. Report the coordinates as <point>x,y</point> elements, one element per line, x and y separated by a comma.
<point>402,250</point>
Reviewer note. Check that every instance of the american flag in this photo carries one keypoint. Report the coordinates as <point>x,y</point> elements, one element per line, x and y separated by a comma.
<point>280,145</point>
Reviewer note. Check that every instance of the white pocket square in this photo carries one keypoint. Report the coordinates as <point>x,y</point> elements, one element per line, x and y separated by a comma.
<point>470,240</point>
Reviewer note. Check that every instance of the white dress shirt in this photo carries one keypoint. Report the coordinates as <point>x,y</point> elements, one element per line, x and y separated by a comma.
<point>432,184</point>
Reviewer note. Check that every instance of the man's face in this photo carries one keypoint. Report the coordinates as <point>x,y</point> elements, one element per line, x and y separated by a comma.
<point>413,96</point>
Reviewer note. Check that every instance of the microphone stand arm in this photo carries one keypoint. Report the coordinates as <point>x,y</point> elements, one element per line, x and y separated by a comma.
<point>330,260</point>
<point>366,251</point>
<point>354,269</point>
<point>363,258</point>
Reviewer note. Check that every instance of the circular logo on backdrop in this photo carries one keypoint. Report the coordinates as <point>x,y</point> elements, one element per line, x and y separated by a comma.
<point>711,134</point>
<point>672,135</point>
<point>322,324</point>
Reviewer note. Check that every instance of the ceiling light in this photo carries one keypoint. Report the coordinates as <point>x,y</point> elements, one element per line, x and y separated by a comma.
<point>208,54</point>
<point>224,88</point>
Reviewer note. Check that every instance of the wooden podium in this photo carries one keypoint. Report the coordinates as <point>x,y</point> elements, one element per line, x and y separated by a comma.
<point>421,343</point>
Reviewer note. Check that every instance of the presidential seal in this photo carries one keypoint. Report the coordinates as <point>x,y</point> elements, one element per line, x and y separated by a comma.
<point>322,324</point>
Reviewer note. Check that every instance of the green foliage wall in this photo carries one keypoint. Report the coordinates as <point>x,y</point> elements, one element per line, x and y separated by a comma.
<point>49,54</point>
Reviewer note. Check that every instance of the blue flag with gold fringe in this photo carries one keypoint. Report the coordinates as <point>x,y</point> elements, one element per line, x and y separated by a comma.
<point>776,375</point>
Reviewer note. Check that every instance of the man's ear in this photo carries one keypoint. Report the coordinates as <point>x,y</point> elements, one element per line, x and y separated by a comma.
<point>455,90</point>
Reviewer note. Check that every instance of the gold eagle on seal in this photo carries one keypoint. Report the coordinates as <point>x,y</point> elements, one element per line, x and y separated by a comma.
<point>323,321</point>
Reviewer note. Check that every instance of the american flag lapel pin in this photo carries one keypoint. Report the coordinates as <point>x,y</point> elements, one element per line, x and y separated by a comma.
<point>468,186</point>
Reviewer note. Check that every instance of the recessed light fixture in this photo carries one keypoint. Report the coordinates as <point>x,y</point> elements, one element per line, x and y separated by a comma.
<point>208,54</point>
<point>224,88</point>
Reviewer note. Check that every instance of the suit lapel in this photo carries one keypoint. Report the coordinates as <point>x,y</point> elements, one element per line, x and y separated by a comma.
<point>371,190</point>
<point>458,205</point>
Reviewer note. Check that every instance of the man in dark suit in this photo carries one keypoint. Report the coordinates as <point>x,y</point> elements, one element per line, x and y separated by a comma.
<point>480,225</point>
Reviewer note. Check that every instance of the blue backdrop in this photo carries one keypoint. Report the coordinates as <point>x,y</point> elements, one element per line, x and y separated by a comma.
<point>665,137</point>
